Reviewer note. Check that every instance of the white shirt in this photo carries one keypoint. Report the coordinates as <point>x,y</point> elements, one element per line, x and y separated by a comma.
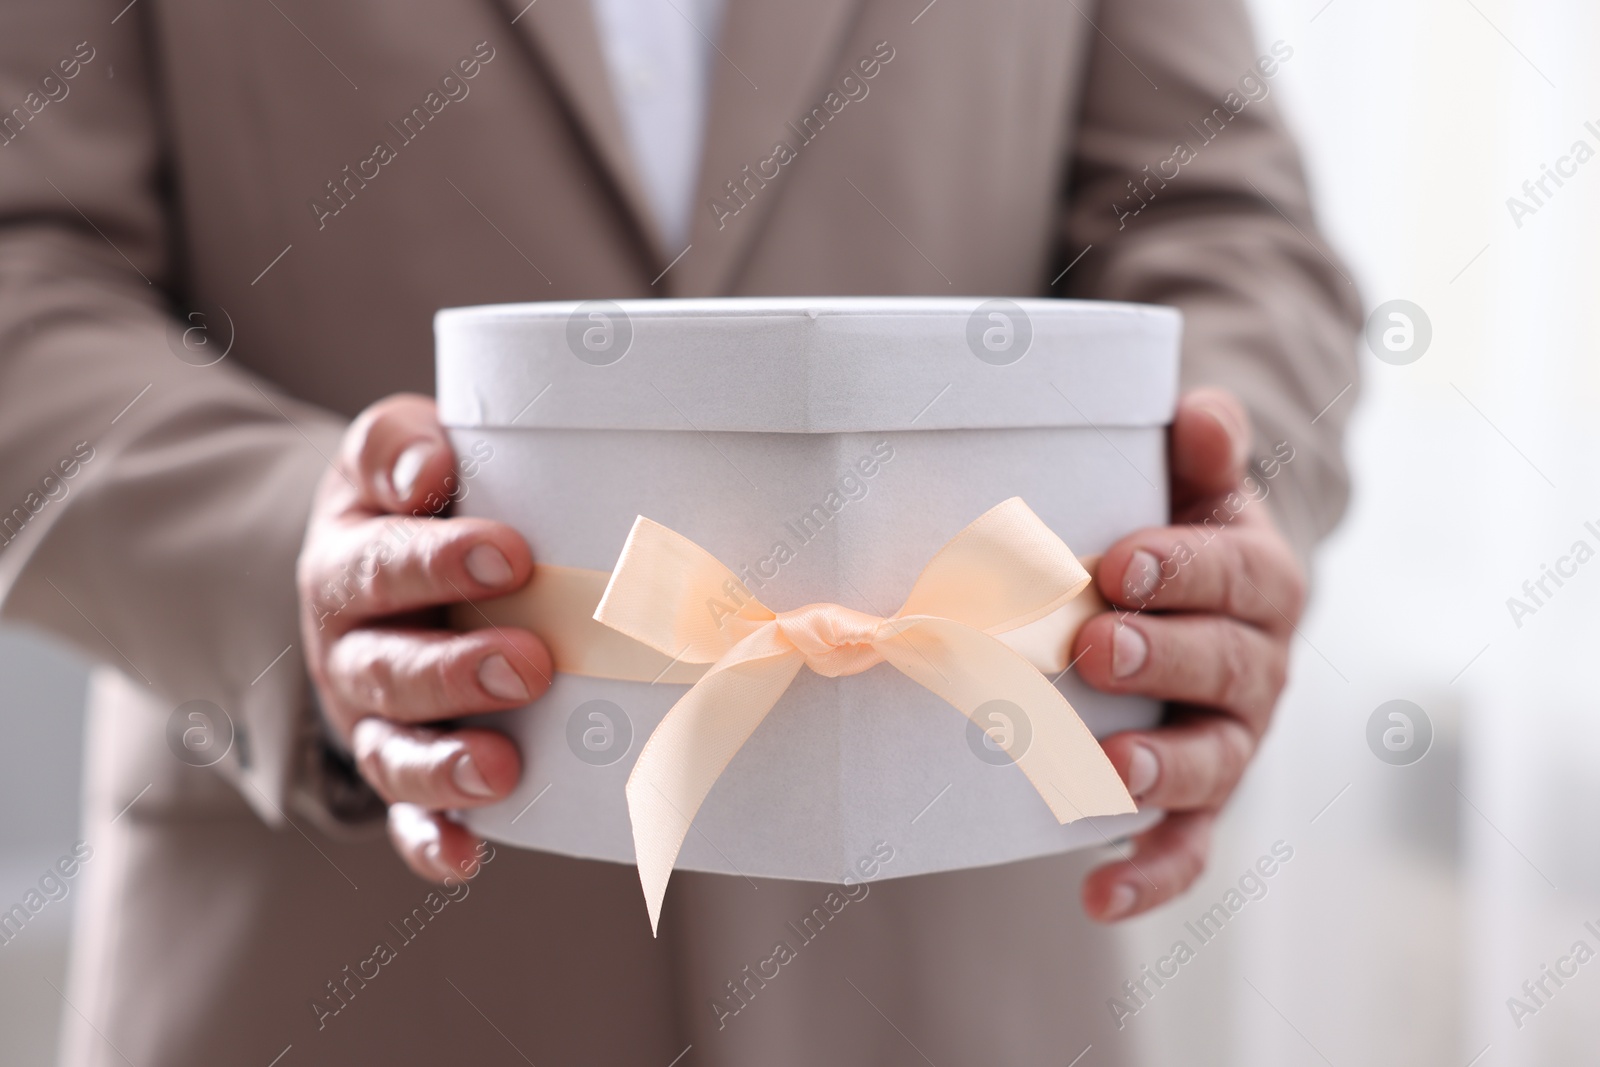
<point>660,57</point>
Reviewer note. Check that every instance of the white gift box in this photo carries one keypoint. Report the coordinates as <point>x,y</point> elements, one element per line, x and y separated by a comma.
<point>827,447</point>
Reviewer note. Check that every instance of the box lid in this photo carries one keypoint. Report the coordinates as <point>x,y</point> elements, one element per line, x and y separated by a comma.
<point>807,364</point>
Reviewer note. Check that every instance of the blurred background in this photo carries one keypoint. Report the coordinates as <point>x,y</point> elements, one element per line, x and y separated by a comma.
<point>1427,884</point>
<point>1421,897</point>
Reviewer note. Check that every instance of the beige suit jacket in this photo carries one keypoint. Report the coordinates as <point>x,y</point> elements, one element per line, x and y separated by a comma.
<point>304,184</point>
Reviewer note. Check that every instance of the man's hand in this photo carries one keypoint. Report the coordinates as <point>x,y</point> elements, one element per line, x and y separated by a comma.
<point>374,573</point>
<point>1209,611</point>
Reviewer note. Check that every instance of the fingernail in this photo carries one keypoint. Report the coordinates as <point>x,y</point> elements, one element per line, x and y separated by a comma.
<point>1142,771</point>
<point>433,855</point>
<point>469,779</point>
<point>500,681</point>
<point>1238,435</point>
<point>1129,650</point>
<point>1122,900</point>
<point>489,566</point>
<point>1139,580</point>
<point>1241,451</point>
<point>409,464</point>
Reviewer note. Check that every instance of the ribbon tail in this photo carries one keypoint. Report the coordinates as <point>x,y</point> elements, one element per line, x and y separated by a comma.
<point>970,669</point>
<point>686,754</point>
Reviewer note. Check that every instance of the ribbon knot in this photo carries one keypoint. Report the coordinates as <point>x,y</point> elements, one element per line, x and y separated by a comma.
<point>1003,572</point>
<point>834,640</point>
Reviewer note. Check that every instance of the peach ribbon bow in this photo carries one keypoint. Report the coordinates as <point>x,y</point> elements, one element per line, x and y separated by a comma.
<point>1004,571</point>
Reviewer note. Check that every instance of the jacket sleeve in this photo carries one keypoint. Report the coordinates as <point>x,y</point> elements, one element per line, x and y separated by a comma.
<point>151,508</point>
<point>1190,191</point>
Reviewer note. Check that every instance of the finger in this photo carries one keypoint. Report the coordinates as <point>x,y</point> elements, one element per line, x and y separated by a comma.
<point>1207,660</point>
<point>1209,445</point>
<point>427,675</point>
<point>1193,762</point>
<point>398,454</point>
<point>436,769</point>
<point>389,566</point>
<point>434,847</point>
<point>1167,858</point>
<point>1244,573</point>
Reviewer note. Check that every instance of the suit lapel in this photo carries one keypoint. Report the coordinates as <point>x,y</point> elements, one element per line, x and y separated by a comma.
<point>776,59</point>
<point>562,34</point>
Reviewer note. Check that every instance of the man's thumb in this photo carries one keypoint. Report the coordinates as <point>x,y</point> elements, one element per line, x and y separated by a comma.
<point>1210,445</point>
<point>399,454</point>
